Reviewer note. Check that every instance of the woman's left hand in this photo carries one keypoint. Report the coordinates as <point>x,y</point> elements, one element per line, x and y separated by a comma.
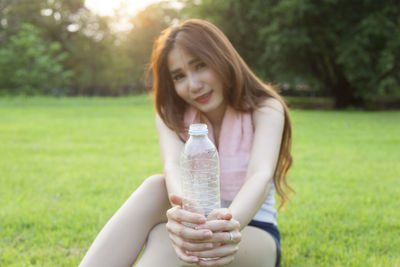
<point>226,238</point>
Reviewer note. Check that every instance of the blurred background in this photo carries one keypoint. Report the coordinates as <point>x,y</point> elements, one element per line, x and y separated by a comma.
<point>346,52</point>
<point>77,133</point>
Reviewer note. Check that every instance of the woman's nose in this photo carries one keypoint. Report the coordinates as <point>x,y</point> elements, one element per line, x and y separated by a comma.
<point>194,83</point>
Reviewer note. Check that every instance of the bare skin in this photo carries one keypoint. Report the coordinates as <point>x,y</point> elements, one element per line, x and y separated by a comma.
<point>123,237</point>
<point>257,248</point>
<point>142,217</point>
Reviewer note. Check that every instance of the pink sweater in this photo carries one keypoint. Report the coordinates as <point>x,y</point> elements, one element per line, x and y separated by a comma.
<point>235,142</point>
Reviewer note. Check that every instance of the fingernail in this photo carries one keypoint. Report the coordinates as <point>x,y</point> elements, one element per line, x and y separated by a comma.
<point>207,234</point>
<point>194,259</point>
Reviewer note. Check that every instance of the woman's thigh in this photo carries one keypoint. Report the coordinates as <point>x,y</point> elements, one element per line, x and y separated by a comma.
<point>122,238</point>
<point>257,248</point>
<point>159,251</point>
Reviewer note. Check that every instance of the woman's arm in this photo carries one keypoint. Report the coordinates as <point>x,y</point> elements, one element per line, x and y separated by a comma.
<point>183,238</point>
<point>269,123</point>
<point>170,148</point>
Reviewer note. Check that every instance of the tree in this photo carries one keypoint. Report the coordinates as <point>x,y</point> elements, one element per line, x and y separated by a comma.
<point>147,25</point>
<point>348,49</point>
<point>236,19</point>
<point>94,59</point>
<point>100,60</point>
<point>30,65</point>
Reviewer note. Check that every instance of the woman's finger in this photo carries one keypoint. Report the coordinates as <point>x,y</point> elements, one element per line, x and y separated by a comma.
<point>232,237</point>
<point>183,256</point>
<point>225,238</point>
<point>220,214</point>
<point>186,245</point>
<point>221,251</point>
<point>186,232</point>
<point>181,215</point>
<point>176,200</point>
<point>217,262</point>
<point>190,204</point>
<point>220,225</point>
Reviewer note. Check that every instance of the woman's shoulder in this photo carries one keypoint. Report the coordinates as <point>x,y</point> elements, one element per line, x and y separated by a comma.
<point>269,116</point>
<point>268,105</point>
<point>270,111</point>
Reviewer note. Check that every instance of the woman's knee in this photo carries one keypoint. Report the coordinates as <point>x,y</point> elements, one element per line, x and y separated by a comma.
<point>257,248</point>
<point>153,196</point>
<point>154,183</point>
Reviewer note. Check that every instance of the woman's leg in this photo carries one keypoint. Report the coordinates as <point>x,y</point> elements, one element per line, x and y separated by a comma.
<point>257,249</point>
<point>159,251</point>
<point>122,238</point>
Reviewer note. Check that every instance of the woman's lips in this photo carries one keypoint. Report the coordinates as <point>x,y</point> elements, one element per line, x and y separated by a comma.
<point>204,98</point>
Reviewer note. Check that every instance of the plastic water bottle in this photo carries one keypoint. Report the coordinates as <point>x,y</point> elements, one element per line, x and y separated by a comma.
<point>199,165</point>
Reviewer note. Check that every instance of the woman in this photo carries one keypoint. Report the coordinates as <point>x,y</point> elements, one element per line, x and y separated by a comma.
<point>199,77</point>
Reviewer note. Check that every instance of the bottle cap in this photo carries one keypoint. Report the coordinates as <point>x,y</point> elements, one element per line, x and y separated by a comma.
<point>198,129</point>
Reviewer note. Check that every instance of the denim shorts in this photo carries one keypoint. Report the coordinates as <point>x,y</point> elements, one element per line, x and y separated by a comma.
<point>271,229</point>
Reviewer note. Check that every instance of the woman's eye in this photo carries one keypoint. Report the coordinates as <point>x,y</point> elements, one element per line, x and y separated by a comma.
<point>178,77</point>
<point>200,65</point>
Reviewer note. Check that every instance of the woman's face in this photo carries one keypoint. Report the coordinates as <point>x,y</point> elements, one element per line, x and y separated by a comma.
<point>195,82</point>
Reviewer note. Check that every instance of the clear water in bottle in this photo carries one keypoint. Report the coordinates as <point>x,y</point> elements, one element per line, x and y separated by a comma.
<point>199,165</point>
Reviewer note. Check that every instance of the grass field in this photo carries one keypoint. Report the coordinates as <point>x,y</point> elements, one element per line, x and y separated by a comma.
<point>67,164</point>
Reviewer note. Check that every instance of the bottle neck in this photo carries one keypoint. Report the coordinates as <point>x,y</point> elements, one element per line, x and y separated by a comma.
<point>198,135</point>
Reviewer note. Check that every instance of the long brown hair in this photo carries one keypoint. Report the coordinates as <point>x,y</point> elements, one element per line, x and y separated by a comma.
<point>243,90</point>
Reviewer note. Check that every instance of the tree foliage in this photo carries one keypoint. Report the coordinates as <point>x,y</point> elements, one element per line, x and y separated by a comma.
<point>101,60</point>
<point>147,25</point>
<point>30,65</point>
<point>348,49</point>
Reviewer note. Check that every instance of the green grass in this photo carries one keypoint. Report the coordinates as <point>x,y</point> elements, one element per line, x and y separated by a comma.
<point>67,164</point>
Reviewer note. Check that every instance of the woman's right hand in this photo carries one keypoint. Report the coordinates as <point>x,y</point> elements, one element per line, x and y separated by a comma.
<point>184,238</point>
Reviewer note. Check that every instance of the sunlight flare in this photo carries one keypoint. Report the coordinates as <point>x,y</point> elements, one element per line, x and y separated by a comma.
<point>106,7</point>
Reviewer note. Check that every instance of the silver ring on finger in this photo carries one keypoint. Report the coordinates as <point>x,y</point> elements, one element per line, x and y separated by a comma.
<point>230,237</point>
